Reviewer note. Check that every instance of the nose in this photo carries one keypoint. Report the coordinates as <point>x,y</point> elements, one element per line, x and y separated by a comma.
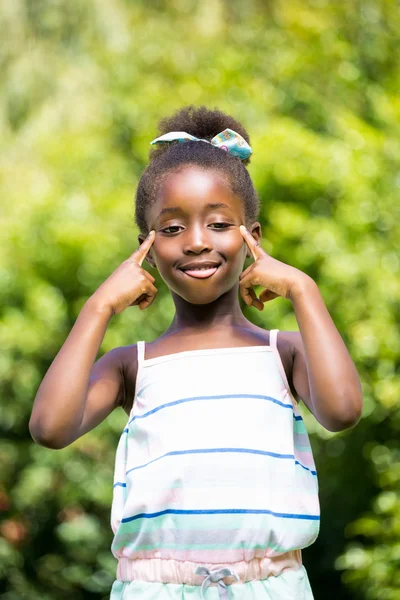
<point>197,239</point>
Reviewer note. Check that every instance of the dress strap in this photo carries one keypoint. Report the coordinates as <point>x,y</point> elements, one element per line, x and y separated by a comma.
<point>140,353</point>
<point>273,334</point>
<point>140,346</point>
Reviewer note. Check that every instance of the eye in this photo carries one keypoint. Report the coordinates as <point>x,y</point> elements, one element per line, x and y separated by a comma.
<point>166,230</point>
<point>222,225</point>
<point>169,229</point>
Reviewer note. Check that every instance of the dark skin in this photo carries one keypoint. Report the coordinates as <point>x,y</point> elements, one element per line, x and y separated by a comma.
<point>319,369</point>
<point>197,232</point>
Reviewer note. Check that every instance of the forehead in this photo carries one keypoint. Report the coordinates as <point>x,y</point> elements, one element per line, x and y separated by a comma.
<point>192,188</point>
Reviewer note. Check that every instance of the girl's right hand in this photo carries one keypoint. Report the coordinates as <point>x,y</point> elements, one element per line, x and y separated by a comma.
<point>129,284</point>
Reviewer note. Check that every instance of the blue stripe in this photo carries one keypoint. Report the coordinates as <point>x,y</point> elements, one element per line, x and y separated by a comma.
<point>208,450</point>
<point>221,397</point>
<point>119,483</point>
<point>173,511</point>
<point>297,418</point>
<point>306,468</point>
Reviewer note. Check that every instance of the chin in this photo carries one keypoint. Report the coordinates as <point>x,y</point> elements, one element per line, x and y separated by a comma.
<point>201,292</point>
<point>194,297</point>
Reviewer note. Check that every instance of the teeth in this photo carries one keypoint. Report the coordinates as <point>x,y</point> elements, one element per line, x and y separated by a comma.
<point>203,268</point>
<point>200,268</point>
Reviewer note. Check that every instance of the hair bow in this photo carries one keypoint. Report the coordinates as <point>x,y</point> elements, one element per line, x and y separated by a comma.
<point>227,140</point>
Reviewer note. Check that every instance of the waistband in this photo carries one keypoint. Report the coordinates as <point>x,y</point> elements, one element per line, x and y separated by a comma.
<point>168,570</point>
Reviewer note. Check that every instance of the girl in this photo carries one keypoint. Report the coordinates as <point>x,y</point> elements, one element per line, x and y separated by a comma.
<point>215,489</point>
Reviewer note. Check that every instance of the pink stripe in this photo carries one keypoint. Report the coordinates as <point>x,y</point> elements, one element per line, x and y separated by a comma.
<point>212,556</point>
<point>305,458</point>
<point>280,501</point>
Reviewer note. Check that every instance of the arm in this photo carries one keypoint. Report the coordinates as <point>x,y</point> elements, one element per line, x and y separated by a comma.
<point>324,375</point>
<point>74,397</point>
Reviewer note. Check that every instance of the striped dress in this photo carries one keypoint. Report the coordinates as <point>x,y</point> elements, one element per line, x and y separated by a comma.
<point>215,484</point>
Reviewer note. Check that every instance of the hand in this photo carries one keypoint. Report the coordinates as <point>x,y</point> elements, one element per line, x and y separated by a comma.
<point>277,277</point>
<point>129,285</point>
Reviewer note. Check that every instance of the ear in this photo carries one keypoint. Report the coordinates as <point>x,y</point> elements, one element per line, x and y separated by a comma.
<point>255,230</point>
<point>149,256</point>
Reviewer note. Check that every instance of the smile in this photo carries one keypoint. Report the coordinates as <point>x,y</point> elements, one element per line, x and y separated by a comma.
<point>200,272</point>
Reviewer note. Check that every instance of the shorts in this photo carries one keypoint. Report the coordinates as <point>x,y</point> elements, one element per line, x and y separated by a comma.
<point>289,585</point>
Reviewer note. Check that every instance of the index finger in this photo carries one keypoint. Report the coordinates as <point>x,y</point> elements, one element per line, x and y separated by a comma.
<point>253,245</point>
<point>140,253</point>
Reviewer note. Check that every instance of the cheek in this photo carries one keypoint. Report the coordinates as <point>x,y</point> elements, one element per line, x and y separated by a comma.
<point>237,245</point>
<point>162,252</point>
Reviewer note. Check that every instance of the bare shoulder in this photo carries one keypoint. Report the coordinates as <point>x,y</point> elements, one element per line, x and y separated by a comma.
<point>124,360</point>
<point>108,388</point>
<point>289,341</point>
<point>291,349</point>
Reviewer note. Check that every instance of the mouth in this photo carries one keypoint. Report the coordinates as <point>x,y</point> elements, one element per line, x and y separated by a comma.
<point>200,271</point>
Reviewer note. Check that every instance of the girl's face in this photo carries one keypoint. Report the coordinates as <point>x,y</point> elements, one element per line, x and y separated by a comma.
<point>196,218</point>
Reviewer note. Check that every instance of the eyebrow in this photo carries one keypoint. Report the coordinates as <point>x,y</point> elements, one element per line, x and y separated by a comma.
<point>176,209</point>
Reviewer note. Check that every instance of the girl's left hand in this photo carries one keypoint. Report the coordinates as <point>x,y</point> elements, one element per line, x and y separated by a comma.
<point>277,277</point>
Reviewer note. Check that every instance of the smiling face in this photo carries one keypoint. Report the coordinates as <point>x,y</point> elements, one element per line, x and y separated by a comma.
<point>196,218</point>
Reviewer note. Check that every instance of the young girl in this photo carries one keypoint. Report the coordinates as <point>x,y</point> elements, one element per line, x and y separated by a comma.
<point>215,489</point>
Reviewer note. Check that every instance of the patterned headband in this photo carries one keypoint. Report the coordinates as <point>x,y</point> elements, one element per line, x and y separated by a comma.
<point>227,140</point>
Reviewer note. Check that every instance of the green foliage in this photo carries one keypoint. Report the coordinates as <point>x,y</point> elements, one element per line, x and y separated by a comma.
<point>83,86</point>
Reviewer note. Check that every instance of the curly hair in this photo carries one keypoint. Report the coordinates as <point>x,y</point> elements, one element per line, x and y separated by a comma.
<point>202,123</point>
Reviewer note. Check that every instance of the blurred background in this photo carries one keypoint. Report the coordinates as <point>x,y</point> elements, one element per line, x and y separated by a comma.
<point>82,88</point>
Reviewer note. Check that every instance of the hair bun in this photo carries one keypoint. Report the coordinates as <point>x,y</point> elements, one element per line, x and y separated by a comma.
<point>200,122</point>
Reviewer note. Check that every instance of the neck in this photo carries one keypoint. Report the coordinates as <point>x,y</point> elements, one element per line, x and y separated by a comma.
<point>223,313</point>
